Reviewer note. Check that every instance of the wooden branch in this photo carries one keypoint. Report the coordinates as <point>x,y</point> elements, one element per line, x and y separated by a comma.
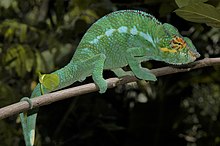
<point>88,88</point>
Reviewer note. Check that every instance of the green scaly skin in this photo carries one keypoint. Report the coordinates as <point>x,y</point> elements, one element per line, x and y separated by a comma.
<point>122,38</point>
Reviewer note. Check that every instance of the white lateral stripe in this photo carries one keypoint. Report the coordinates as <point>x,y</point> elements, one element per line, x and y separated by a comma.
<point>134,30</point>
<point>122,29</point>
<point>95,41</point>
<point>109,32</point>
<point>147,37</point>
<point>100,36</point>
<point>86,50</point>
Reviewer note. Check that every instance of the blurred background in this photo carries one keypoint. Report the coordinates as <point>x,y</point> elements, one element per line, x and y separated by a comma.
<point>41,36</point>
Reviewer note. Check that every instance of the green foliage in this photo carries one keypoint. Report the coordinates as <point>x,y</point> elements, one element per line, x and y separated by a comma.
<point>197,11</point>
<point>6,3</point>
<point>19,57</point>
<point>183,3</point>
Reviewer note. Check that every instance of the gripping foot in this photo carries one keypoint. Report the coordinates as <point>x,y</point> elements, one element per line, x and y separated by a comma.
<point>28,100</point>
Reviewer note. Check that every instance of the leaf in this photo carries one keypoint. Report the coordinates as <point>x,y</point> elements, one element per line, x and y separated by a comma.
<point>40,65</point>
<point>6,91</point>
<point>166,8</point>
<point>6,3</point>
<point>23,32</point>
<point>49,81</point>
<point>200,13</point>
<point>9,33</point>
<point>89,16</point>
<point>29,59</point>
<point>183,3</point>
<point>14,59</point>
<point>20,58</point>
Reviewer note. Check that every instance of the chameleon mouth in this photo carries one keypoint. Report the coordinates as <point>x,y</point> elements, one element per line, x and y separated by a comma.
<point>194,55</point>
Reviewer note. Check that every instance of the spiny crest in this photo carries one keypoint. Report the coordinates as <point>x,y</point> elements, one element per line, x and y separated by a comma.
<point>119,22</point>
<point>136,12</point>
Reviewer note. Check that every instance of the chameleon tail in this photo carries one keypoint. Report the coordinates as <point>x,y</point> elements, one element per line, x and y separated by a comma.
<point>28,127</point>
<point>23,117</point>
<point>28,121</point>
<point>67,75</point>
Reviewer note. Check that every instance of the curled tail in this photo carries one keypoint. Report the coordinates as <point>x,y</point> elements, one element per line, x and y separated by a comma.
<point>28,126</point>
<point>66,76</point>
<point>28,121</point>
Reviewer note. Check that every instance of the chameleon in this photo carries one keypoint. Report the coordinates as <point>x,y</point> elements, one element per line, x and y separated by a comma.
<point>121,38</point>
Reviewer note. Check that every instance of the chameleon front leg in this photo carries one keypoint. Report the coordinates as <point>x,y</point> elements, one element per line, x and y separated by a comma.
<point>133,56</point>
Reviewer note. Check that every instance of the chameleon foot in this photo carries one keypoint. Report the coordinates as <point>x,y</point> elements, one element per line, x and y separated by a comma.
<point>121,73</point>
<point>28,100</point>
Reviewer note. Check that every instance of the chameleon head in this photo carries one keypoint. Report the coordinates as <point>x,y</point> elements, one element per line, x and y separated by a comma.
<point>176,49</point>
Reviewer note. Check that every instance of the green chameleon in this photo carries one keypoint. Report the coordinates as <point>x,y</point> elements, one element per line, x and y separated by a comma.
<point>121,38</point>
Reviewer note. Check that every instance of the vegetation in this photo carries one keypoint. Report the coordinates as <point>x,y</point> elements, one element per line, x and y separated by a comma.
<point>180,109</point>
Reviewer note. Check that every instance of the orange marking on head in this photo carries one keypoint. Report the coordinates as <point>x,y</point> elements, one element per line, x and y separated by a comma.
<point>178,43</point>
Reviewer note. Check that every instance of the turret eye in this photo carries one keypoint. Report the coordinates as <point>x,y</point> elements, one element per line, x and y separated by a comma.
<point>177,43</point>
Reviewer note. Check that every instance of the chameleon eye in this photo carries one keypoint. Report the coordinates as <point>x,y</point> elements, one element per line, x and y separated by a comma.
<point>177,43</point>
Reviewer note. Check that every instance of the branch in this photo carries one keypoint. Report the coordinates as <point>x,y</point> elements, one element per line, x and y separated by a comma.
<point>91,87</point>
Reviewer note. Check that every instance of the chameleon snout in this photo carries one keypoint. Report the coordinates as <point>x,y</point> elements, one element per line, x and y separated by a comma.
<point>194,55</point>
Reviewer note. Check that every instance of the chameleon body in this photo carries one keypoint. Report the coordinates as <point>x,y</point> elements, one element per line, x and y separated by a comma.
<point>121,38</point>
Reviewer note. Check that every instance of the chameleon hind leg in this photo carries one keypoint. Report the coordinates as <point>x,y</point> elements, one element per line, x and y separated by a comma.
<point>133,56</point>
<point>97,74</point>
<point>96,65</point>
<point>121,73</point>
